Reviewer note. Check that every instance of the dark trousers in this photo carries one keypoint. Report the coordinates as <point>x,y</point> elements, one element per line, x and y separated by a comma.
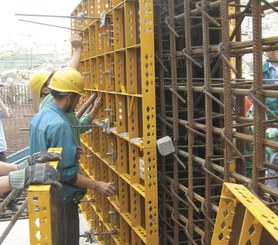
<point>71,224</point>
<point>3,156</point>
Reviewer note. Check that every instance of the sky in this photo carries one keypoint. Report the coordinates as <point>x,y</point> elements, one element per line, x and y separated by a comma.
<point>23,33</point>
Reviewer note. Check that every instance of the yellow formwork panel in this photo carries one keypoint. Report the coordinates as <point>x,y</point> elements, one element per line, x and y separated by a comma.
<point>43,211</point>
<point>120,62</point>
<point>243,219</point>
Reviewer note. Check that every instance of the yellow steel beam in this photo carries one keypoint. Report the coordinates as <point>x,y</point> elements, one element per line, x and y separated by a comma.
<point>230,228</point>
<point>41,204</point>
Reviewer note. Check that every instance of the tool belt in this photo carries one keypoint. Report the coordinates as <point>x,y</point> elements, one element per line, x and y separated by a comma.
<point>77,196</point>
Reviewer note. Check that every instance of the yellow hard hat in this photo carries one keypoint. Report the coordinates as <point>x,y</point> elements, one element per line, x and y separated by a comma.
<point>38,79</point>
<point>67,80</point>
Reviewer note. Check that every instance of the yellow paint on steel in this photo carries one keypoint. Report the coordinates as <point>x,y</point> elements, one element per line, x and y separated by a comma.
<point>121,66</point>
<point>236,199</point>
<point>39,210</point>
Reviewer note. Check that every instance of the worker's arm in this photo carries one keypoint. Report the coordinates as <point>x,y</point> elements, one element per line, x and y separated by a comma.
<point>38,157</point>
<point>4,184</point>
<point>40,173</point>
<point>104,188</point>
<point>94,111</point>
<point>76,43</point>
<point>4,109</point>
<point>88,118</point>
<point>5,168</point>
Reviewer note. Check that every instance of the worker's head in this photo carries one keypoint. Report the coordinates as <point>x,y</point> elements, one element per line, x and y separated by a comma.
<point>67,86</point>
<point>39,82</point>
<point>273,54</point>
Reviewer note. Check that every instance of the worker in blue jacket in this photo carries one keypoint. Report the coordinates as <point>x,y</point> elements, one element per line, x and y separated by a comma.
<point>51,128</point>
<point>40,80</point>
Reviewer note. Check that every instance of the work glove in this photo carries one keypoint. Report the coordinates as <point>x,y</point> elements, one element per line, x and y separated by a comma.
<point>40,157</point>
<point>38,174</point>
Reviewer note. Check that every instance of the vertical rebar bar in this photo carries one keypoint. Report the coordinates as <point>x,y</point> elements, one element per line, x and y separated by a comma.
<point>208,114</point>
<point>240,102</point>
<point>228,152</point>
<point>190,114</point>
<point>258,82</point>
<point>159,50</point>
<point>173,63</point>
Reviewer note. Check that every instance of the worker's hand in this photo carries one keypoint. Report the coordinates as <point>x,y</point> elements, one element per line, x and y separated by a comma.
<point>43,157</point>
<point>38,174</point>
<point>97,104</point>
<point>105,188</point>
<point>76,41</point>
<point>40,157</point>
<point>80,151</point>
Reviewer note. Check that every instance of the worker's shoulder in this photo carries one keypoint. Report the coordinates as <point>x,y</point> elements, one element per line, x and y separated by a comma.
<point>49,116</point>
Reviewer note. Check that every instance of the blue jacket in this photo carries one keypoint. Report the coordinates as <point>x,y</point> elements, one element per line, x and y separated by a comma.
<point>84,121</point>
<point>50,128</point>
<point>271,103</point>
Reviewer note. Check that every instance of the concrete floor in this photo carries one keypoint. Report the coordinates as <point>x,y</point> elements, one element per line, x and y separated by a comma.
<point>20,232</point>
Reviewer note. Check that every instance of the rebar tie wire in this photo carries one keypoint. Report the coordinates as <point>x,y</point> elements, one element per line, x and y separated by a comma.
<point>187,197</point>
<point>191,201</point>
<point>158,5</point>
<point>170,27</point>
<point>270,6</point>
<point>188,56</point>
<point>185,228</point>
<point>165,122</point>
<point>161,63</point>
<point>232,145</point>
<point>176,93</point>
<point>179,161</point>
<point>219,53</point>
<point>205,214</point>
<point>176,195</point>
<point>212,97</point>
<point>201,9</point>
<point>211,173</point>
<point>194,131</point>
<point>262,105</point>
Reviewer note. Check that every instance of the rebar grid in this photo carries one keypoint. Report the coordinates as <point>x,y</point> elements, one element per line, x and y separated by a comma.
<point>201,88</point>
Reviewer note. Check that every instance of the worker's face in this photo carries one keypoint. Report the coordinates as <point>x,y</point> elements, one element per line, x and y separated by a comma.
<point>272,55</point>
<point>45,89</point>
<point>73,100</point>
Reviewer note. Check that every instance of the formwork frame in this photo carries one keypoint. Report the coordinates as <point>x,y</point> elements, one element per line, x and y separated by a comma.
<point>200,94</point>
<point>118,63</point>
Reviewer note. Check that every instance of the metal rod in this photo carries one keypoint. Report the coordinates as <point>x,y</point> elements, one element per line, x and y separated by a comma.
<point>81,16</point>
<point>13,221</point>
<point>39,23</point>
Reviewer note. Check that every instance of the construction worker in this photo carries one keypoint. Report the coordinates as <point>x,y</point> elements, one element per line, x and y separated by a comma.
<point>51,128</point>
<point>270,71</point>
<point>4,113</point>
<point>40,80</point>
<point>270,75</point>
<point>33,170</point>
